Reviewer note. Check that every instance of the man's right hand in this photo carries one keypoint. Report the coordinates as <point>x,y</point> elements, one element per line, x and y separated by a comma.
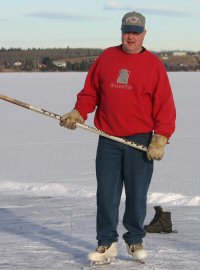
<point>70,119</point>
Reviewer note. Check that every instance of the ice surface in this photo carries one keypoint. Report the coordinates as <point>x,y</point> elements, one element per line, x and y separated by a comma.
<point>48,185</point>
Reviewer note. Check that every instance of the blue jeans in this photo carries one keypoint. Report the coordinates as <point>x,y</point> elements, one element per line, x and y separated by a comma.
<point>119,165</point>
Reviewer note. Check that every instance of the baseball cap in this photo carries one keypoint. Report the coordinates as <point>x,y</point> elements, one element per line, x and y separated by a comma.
<point>133,22</point>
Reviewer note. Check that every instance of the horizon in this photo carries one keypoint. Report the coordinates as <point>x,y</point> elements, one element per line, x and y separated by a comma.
<point>92,48</point>
<point>96,24</point>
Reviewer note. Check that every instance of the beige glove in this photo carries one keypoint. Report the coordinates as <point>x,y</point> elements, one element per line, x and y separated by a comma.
<point>70,119</point>
<point>156,147</point>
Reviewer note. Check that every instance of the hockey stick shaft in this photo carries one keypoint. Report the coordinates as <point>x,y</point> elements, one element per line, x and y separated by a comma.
<point>83,126</point>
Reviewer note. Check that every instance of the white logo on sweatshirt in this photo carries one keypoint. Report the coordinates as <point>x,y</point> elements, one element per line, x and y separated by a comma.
<point>123,76</point>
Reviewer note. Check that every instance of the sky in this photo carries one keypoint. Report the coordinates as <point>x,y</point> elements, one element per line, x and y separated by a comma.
<point>170,24</point>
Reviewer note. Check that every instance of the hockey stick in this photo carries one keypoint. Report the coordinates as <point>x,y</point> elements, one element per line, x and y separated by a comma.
<point>83,126</point>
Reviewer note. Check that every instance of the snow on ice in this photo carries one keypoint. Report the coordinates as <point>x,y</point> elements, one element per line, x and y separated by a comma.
<point>48,186</point>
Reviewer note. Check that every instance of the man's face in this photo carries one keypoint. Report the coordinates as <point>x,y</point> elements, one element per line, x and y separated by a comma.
<point>132,42</point>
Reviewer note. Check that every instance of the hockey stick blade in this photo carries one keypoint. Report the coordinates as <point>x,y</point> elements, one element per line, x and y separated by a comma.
<point>83,126</point>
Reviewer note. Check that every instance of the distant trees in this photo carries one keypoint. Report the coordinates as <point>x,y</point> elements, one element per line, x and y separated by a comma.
<point>42,59</point>
<point>10,49</point>
<point>28,66</point>
<point>47,64</point>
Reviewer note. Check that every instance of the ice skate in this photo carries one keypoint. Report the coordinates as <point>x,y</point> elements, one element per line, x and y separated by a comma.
<point>103,254</point>
<point>137,251</point>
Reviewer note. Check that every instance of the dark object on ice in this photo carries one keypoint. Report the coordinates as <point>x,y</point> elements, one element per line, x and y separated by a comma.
<point>161,223</point>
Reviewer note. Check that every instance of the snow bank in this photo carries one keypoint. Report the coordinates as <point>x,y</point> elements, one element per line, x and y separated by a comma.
<point>173,199</point>
<point>47,189</point>
<point>64,190</point>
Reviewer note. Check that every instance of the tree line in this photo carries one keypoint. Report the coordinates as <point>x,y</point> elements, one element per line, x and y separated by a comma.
<point>76,59</point>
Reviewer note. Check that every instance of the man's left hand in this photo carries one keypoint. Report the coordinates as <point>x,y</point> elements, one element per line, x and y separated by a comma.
<point>156,147</point>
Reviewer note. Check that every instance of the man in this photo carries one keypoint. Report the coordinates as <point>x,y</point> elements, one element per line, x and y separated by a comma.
<point>129,88</point>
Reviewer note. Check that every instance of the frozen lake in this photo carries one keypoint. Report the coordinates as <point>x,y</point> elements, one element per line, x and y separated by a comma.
<point>48,186</point>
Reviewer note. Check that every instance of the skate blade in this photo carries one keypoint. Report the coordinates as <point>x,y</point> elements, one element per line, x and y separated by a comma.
<point>106,261</point>
<point>141,261</point>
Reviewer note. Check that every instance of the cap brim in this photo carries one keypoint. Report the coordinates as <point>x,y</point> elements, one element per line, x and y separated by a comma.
<point>132,28</point>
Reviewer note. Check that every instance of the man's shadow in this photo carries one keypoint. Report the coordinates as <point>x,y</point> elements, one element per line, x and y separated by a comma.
<point>18,225</point>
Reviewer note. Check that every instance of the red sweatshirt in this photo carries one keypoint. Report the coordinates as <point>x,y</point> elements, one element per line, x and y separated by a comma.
<point>131,94</point>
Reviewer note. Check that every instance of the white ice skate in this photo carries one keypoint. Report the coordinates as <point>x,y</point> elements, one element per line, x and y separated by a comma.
<point>137,251</point>
<point>103,254</point>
